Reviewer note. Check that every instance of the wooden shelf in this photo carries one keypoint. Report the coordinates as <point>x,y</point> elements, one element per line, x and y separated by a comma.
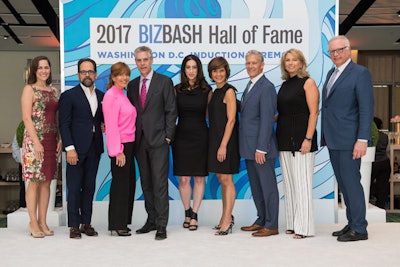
<point>5,150</point>
<point>2,183</point>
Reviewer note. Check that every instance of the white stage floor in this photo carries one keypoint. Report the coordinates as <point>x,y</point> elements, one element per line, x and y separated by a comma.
<point>201,248</point>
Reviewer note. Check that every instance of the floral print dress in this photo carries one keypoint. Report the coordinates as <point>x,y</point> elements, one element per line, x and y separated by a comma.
<point>44,118</point>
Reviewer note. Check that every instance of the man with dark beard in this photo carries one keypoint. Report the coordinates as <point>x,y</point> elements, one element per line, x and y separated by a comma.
<point>80,119</point>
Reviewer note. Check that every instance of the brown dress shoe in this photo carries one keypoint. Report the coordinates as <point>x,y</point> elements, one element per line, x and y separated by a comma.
<point>266,232</point>
<point>74,233</point>
<point>88,230</point>
<point>252,228</point>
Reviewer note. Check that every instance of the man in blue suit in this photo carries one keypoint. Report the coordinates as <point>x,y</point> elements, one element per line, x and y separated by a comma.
<point>80,119</point>
<point>258,145</point>
<point>347,114</point>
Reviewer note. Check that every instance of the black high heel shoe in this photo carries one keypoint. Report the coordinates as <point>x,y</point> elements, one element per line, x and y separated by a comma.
<point>188,214</point>
<point>218,227</point>
<point>193,227</point>
<point>121,232</point>
<point>226,232</point>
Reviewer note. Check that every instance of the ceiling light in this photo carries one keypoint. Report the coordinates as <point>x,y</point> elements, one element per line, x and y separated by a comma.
<point>5,37</point>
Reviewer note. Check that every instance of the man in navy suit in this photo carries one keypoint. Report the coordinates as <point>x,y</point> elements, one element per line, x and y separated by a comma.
<point>258,145</point>
<point>80,119</point>
<point>347,114</point>
<point>153,96</point>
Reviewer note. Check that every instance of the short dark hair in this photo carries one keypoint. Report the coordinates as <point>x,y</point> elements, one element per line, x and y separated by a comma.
<point>219,62</point>
<point>87,60</point>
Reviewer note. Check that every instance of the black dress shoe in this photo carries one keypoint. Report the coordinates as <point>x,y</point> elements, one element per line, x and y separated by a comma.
<point>342,232</point>
<point>88,230</point>
<point>75,233</point>
<point>161,233</point>
<point>146,228</point>
<point>352,236</point>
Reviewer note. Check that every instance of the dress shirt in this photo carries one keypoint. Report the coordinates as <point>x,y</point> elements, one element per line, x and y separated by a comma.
<point>120,119</point>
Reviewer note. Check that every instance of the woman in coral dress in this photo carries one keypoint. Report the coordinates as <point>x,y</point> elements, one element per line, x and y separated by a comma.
<point>41,145</point>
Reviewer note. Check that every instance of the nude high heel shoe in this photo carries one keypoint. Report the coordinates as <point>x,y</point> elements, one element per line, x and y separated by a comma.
<point>35,234</point>
<point>47,232</point>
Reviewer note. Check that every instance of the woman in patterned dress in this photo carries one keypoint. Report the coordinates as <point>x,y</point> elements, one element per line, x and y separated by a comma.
<point>41,145</point>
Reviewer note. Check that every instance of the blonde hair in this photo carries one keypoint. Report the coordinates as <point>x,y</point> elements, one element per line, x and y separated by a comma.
<point>298,55</point>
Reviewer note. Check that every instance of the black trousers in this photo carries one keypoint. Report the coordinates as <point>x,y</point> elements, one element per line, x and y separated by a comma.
<point>380,182</point>
<point>122,191</point>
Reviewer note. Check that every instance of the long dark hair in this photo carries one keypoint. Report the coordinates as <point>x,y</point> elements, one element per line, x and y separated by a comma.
<point>200,80</point>
<point>34,67</point>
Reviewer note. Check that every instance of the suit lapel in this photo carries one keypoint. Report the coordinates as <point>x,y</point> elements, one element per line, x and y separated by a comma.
<point>85,101</point>
<point>341,77</point>
<point>252,92</point>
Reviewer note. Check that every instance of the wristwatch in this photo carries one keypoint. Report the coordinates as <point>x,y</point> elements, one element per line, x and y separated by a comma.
<point>308,139</point>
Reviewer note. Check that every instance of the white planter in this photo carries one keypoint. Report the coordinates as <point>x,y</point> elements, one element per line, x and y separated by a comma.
<point>365,170</point>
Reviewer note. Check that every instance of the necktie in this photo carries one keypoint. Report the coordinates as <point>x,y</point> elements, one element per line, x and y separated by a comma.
<point>331,81</point>
<point>246,90</point>
<point>143,92</point>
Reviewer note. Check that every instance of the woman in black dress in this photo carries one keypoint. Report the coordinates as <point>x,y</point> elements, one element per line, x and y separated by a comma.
<point>223,152</point>
<point>191,138</point>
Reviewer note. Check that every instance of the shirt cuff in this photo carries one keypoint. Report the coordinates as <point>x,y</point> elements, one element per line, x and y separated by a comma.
<point>260,151</point>
<point>362,140</point>
<point>69,148</point>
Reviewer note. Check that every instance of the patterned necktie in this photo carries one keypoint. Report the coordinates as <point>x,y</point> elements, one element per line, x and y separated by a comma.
<point>331,81</point>
<point>246,90</point>
<point>143,92</point>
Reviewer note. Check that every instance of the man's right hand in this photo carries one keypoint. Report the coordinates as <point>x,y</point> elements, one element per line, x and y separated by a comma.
<point>72,157</point>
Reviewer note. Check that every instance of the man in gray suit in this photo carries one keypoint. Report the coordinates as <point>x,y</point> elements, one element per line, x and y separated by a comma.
<point>347,114</point>
<point>153,96</point>
<point>258,145</point>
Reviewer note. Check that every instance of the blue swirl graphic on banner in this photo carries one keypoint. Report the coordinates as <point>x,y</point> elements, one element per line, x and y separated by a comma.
<point>77,45</point>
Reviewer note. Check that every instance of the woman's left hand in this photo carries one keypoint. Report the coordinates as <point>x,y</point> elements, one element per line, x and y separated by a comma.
<point>305,147</point>
<point>221,154</point>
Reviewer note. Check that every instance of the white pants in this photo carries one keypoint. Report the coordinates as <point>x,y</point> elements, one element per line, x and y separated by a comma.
<point>297,172</point>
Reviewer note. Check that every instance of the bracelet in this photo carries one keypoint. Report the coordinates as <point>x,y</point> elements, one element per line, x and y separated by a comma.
<point>308,139</point>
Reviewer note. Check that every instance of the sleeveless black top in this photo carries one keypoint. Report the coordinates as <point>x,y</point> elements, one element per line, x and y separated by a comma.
<point>293,116</point>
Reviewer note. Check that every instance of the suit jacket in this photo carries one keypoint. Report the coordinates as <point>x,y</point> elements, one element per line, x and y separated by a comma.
<point>347,112</point>
<point>76,120</point>
<point>157,120</point>
<point>256,127</point>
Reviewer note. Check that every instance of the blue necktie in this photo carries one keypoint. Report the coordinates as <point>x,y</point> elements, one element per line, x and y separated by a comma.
<point>246,90</point>
<point>331,81</point>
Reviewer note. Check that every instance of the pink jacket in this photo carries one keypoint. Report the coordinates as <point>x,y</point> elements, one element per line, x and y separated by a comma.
<point>120,119</point>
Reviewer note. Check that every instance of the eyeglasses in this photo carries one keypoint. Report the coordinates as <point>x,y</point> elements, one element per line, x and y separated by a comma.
<point>85,72</point>
<point>338,51</point>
